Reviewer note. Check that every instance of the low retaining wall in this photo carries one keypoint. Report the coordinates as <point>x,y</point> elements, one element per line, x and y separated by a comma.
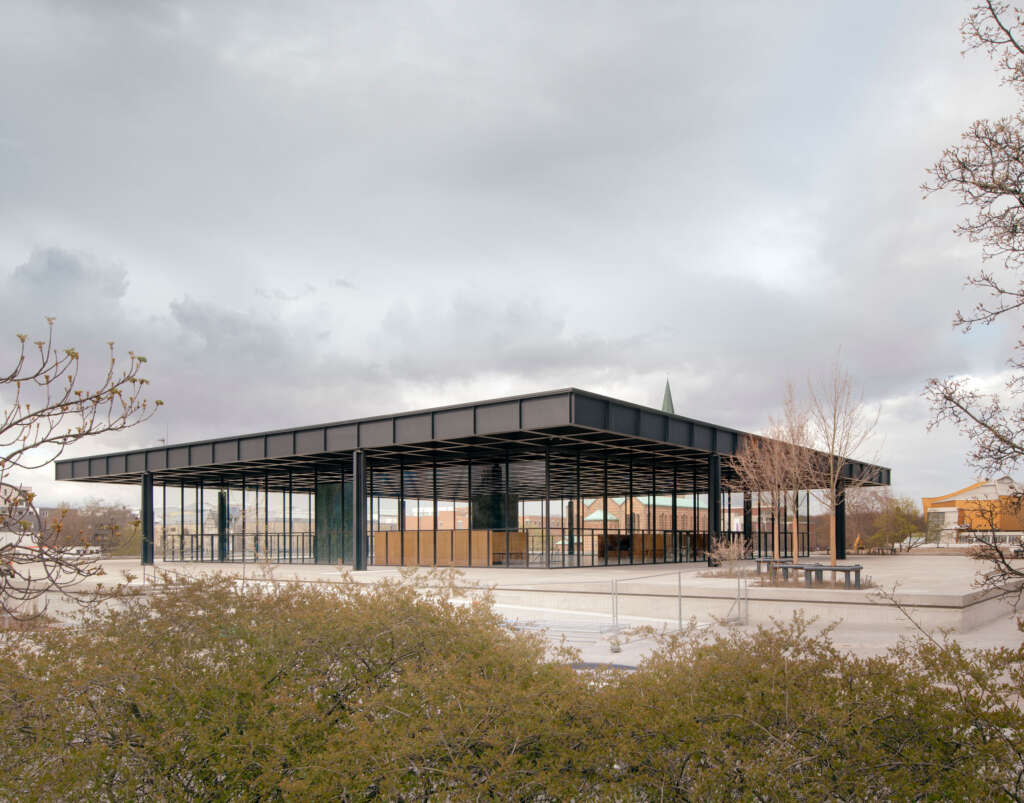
<point>959,612</point>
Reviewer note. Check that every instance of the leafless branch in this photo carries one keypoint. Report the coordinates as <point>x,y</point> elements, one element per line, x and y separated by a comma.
<point>50,407</point>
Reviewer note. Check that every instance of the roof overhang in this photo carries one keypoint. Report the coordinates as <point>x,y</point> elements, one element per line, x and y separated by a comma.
<point>569,424</point>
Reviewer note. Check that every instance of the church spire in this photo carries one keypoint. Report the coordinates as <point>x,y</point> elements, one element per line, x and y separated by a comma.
<point>666,402</point>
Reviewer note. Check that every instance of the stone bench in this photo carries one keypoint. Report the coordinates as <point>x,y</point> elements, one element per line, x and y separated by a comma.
<point>817,571</point>
<point>769,562</point>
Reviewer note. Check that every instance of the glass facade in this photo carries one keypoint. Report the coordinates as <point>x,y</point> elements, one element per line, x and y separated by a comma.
<point>560,509</point>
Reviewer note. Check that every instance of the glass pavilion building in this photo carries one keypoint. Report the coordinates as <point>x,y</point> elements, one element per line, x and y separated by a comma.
<point>525,481</point>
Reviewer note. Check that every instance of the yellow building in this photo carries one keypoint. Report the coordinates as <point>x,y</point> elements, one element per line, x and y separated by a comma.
<point>987,505</point>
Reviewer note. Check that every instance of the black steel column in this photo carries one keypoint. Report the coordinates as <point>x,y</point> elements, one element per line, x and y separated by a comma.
<point>652,519</point>
<point>243,518</point>
<point>469,511</point>
<point>339,541</point>
<point>727,507</point>
<point>181,528</point>
<point>807,515</point>
<point>222,526</point>
<point>714,500</point>
<point>401,510</point>
<point>547,505</point>
<point>696,518</point>
<point>359,510</point>
<point>748,521</point>
<point>760,529</point>
<point>675,513</point>
<point>146,514</point>
<point>579,515</point>
<point>433,465</point>
<point>784,533</point>
<point>630,514</point>
<point>604,508</point>
<point>163,524</point>
<point>796,520</point>
<point>371,538</point>
<point>201,518</point>
<point>574,510</point>
<point>727,500</point>
<point>505,515</point>
<point>840,525</point>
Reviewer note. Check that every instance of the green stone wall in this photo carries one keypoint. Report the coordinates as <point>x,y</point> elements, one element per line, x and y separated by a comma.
<point>487,512</point>
<point>334,540</point>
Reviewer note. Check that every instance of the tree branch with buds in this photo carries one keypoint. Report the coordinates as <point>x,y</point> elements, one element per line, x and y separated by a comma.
<point>48,406</point>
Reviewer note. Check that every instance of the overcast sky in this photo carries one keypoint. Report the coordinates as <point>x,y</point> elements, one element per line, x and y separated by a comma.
<point>314,211</point>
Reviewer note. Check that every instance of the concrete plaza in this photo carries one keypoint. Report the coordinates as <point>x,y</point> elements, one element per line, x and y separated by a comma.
<point>592,608</point>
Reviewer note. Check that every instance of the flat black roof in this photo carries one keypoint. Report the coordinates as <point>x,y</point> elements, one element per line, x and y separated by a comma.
<point>575,427</point>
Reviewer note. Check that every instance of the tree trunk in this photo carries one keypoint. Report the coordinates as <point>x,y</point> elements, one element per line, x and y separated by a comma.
<point>796,528</point>
<point>832,535</point>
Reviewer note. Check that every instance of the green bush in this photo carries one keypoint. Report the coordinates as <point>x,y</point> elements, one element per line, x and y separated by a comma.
<point>391,692</point>
<point>781,714</point>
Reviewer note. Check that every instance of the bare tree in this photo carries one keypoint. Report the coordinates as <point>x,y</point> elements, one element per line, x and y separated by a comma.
<point>110,526</point>
<point>797,437</point>
<point>986,171</point>
<point>988,521</point>
<point>775,465</point>
<point>841,426</point>
<point>760,467</point>
<point>863,507</point>
<point>48,406</point>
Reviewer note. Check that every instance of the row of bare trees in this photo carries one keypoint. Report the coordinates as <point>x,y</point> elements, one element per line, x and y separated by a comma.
<point>809,446</point>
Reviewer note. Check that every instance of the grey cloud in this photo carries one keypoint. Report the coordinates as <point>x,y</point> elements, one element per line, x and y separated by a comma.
<point>83,295</point>
<point>305,291</point>
<point>470,335</point>
<point>280,295</point>
<point>523,194</point>
<point>54,276</point>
